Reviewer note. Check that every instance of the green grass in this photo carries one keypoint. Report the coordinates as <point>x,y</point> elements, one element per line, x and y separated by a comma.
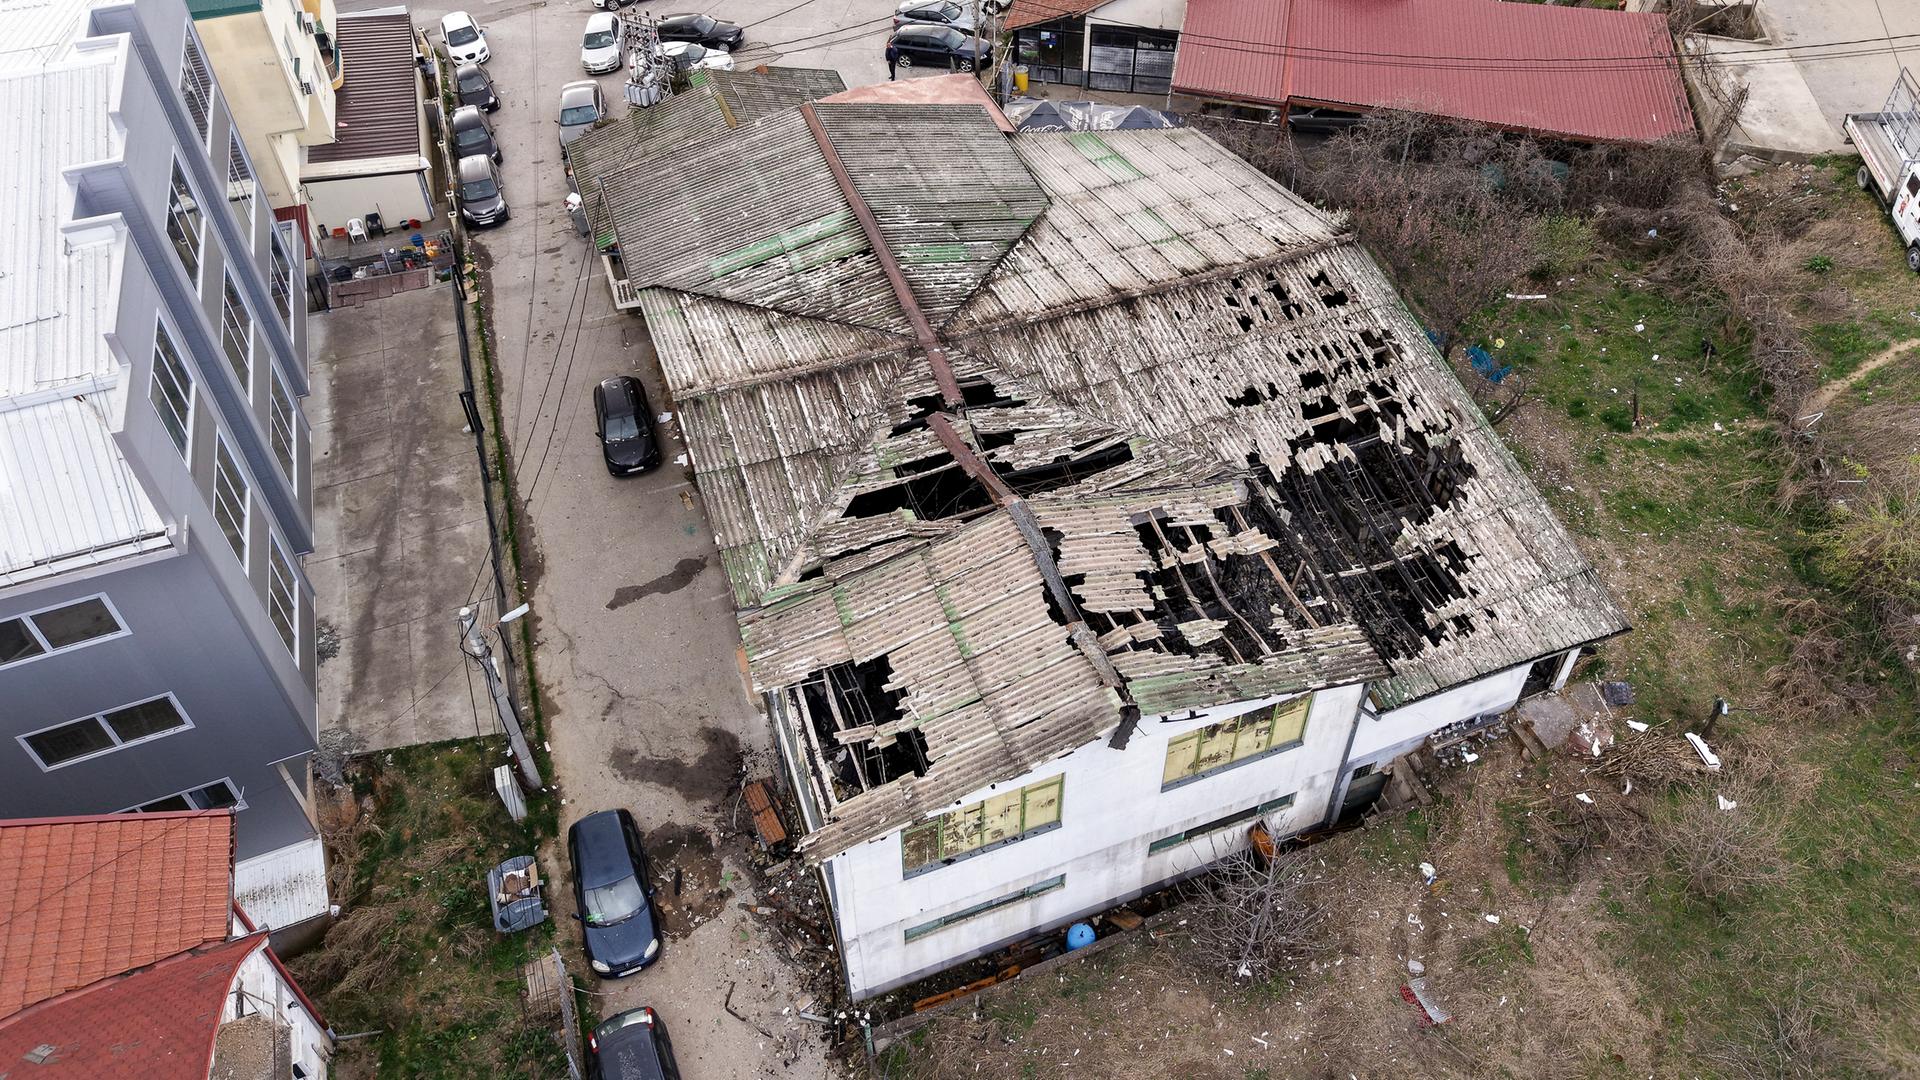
<point>1843,347</point>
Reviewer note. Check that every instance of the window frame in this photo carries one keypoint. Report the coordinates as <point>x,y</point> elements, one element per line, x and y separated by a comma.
<point>287,456</point>
<point>281,284</point>
<point>193,63</point>
<point>46,647</point>
<point>239,799</point>
<point>230,301</point>
<point>237,156</point>
<point>183,439</point>
<point>100,719</point>
<point>277,558</point>
<point>222,452</point>
<point>175,212</point>
<point>1205,829</point>
<point>985,907</point>
<point>938,823</point>
<point>1200,737</point>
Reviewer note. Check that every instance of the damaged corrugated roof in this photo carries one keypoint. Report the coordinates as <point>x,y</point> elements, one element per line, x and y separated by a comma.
<point>1144,434</point>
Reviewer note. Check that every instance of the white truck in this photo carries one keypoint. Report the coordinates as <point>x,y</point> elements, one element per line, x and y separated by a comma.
<point>1889,144</point>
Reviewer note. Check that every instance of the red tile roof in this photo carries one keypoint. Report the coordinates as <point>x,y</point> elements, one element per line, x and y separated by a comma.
<point>158,1023</point>
<point>84,898</point>
<point>1605,76</point>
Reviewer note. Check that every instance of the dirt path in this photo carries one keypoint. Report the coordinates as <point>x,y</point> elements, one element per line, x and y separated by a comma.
<point>1823,397</point>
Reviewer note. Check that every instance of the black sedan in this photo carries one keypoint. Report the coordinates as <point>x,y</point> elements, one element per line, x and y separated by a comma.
<point>632,1046</point>
<point>473,135</point>
<point>701,29</point>
<point>614,896</point>
<point>472,87</point>
<point>625,425</point>
<point>940,47</point>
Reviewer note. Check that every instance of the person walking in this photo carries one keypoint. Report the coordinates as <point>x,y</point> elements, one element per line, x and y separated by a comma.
<point>893,62</point>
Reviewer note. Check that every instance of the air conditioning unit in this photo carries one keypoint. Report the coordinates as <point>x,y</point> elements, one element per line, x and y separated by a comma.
<point>306,87</point>
<point>306,22</point>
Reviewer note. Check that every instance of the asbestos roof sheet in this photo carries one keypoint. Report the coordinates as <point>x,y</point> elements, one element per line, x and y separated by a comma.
<point>160,1023</point>
<point>285,886</point>
<point>1584,73</point>
<point>959,88</point>
<point>91,897</point>
<point>715,101</point>
<point>377,109</point>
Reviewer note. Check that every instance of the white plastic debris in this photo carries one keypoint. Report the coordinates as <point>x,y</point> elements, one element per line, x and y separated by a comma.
<point>680,459</point>
<point>1469,756</point>
<point>1706,752</point>
<point>1726,803</point>
<point>1585,798</point>
<point>1494,919</point>
<point>1628,790</point>
<point>1415,967</point>
<point>1637,725</point>
<point>666,416</point>
<point>1639,328</point>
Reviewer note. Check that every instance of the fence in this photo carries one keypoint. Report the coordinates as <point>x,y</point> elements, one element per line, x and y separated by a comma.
<point>549,1000</point>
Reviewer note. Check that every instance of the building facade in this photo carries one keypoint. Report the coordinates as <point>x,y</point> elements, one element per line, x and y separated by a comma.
<point>156,627</point>
<point>279,65</point>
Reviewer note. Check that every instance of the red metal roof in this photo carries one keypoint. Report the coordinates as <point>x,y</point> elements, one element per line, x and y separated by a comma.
<point>84,898</point>
<point>1024,13</point>
<point>956,89</point>
<point>1605,76</point>
<point>158,1023</point>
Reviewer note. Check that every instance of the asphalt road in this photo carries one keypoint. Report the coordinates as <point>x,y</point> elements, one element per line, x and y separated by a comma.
<point>634,630</point>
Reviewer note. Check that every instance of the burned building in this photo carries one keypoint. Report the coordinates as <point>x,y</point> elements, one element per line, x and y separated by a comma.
<point>1085,497</point>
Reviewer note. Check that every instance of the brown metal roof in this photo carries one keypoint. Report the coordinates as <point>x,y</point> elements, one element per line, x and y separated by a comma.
<point>377,110</point>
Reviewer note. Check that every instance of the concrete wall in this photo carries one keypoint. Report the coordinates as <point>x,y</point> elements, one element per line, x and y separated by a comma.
<point>396,196</point>
<point>1112,808</point>
<point>264,990</point>
<point>255,56</point>
<point>1386,736</point>
<point>1158,14</point>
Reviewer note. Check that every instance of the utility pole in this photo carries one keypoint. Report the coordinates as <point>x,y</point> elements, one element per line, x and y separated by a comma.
<point>474,644</point>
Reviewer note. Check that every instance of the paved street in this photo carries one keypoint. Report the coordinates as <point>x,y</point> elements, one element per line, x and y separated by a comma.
<point>635,636</point>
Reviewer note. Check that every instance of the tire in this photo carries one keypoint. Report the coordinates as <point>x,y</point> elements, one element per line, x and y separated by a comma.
<point>964,65</point>
<point>1863,178</point>
<point>1913,256</point>
<point>904,61</point>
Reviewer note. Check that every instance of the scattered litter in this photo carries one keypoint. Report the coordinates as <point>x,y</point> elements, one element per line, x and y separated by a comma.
<point>1706,752</point>
<point>1639,328</point>
<point>1415,967</point>
<point>1494,919</point>
<point>1426,868</point>
<point>1264,1044</point>
<point>680,459</point>
<point>1469,756</point>
<point>1526,296</point>
<point>1637,725</point>
<point>1585,798</point>
<point>1418,995</point>
<point>1726,803</point>
<point>666,416</point>
<point>1628,790</point>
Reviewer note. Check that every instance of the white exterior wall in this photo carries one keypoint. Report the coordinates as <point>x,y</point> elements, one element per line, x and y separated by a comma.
<point>1158,14</point>
<point>396,196</point>
<point>1396,731</point>
<point>260,988</point>
<point>1111,809</point>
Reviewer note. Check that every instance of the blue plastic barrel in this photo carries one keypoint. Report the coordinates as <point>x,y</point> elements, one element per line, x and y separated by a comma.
<point>1079,936</point>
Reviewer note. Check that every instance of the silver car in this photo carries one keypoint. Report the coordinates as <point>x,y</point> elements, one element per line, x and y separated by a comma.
<point>581,107</point>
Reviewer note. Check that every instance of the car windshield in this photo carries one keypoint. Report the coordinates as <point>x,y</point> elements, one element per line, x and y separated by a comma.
<point>599,39</point>
<point>579,114</point>
<point>701,24</point>
<point>473,136</point>
<point>483,188</point>
<point>462,35</point>
<point>615,903</point>
<point>951,38</point>
<point>473,80</point>
<point>950,12</point>
<point>622,428</point>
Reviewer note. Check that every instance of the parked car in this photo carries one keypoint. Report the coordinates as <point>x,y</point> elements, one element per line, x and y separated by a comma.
<point>581,107</point>
<point>687,56</point>
<point>473,135</point>
<point>610,887</point>
<point>477,184</point>
<point>934,12</point>
<point>613,5</point>
<point>472,86</point>
<point>632,1046</point>
<point>701,30</point>
<point>466,40</point>
<point>625,426</point>
<point>940,46</point>
<point>600,49</point>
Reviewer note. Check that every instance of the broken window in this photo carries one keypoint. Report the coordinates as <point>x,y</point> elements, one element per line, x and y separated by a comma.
<point>1001,819</point>
<point>862,730</point>
<point>914,933</point>
<point>1174,840</point>
<point>1243,738</point>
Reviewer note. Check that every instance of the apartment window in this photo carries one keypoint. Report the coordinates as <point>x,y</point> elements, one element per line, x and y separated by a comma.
<point>105,732</point>
<point>172,391</point>
<point>240,185</point>
<point>218,795</point>
<point>196,85</point>
<point>970,830</point>
<point>230,500</point>
<point>283,598</point>
<point>914,933</point>
<point>283,421</point>
<point>1233,742</point>
<point>282,274</point>
<point>1174,840</point>
<point>236,335</point>
<point>51,630</point>
<point>184,222</point>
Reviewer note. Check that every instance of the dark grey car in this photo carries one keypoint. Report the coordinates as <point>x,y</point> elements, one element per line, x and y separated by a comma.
<point>473,135</point>
<point>702,29</point>
<point>482,200</point>
<point>933,46</point>
<point>632,1046</point>
<point>472,86</point>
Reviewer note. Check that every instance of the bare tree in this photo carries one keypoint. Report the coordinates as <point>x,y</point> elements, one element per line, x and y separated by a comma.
<point>1249,918</point>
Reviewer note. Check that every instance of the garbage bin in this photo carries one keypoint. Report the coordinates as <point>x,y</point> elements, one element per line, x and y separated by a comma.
<point>1020,77</point>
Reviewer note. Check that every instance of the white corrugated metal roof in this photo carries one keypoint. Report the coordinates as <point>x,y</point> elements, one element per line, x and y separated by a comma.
<point>284,886</point>
<point>33,33</point>
<point>67,497</point>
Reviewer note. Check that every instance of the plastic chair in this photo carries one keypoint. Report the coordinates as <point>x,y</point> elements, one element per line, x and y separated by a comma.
<point>356,230</point>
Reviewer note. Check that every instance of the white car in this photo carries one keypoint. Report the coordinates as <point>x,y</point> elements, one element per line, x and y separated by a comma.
<point>600,49</point>
<point>466,40</point>
<point>689,56</point>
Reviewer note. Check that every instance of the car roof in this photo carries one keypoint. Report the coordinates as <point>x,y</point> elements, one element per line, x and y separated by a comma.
<point>475,167</point>
<point>469,116</point>
<point>618,1060</point>
<point>602,849</point>
<point>575,93</point>
<point>600,20</point>
<point>468,68</point>
<point>624,386</point>
<point>455,19</point>
<point>680,16</point>
<point>919,30</point>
